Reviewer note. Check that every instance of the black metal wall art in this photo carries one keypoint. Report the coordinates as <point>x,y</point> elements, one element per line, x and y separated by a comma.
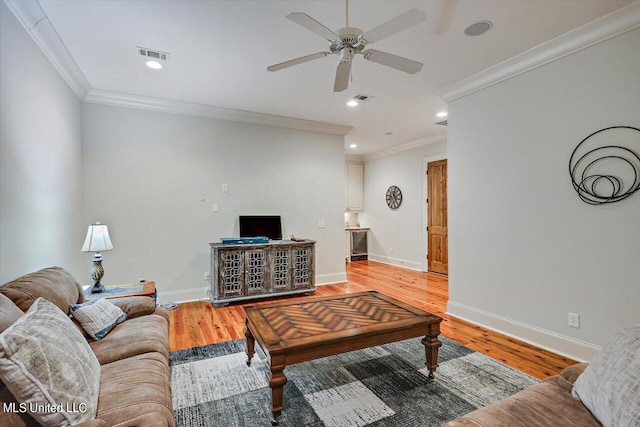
<point>586,168</point>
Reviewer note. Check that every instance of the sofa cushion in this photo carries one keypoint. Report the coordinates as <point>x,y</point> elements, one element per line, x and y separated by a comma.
<point>54,284</point>
<point>610,385</point>
<point>133,337</point>
<point>136,391</point>
<point>135,306</point>
<point>97,317</point>
<point>10,417</point>
<point>9,312</point>
<point>44,360</point>
<point>545,404</point>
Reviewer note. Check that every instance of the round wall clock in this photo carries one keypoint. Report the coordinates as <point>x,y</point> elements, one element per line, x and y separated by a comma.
<point>394,197</point>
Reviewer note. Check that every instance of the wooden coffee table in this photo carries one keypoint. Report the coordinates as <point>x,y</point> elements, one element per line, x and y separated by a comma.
<point>291,332</point>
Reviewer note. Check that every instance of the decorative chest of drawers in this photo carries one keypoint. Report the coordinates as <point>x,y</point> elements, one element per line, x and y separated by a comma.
<point>241,272</point>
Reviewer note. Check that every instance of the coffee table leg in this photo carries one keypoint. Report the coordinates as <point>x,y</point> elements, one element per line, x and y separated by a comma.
<point>250,344</point>
<point>277,380</point>
<point>431,345</point>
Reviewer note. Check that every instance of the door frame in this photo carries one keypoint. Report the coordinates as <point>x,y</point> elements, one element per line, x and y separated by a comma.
<point>425,165</point>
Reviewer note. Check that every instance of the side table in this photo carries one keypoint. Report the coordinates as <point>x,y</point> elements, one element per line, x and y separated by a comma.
<point>142,289</point>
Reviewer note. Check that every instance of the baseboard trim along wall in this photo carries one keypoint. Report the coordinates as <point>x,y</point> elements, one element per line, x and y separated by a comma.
<point>199,294</point>
<point>331,278</point>
<point>398,262</point>
<point>184,295</point>
<point>557,343</point>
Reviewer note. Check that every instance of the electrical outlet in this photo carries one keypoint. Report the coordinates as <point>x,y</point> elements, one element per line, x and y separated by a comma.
<point>207,276</point>
<point>214,207</point>
<point>574,320</point>
<point>321,223</point>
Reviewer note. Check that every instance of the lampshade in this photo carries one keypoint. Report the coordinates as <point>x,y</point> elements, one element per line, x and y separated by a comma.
<point>97,239</point>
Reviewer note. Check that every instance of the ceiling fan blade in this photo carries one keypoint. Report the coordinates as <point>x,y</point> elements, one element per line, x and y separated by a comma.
<point>342,76</point>
<point>394,61</point>
<point>401,22</point>
<point>292,62</point>
<point>312,25</point>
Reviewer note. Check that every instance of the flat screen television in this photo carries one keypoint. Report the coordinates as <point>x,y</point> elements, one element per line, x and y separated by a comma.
<point>261,225</point>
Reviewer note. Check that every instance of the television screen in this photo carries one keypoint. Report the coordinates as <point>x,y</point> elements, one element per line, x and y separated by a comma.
<point>263,225</point>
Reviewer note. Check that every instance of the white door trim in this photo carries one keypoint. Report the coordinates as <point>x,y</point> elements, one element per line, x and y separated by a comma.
<point>425,193</point>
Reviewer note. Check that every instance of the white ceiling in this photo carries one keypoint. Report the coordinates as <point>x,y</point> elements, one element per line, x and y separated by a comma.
<point>220,51</point>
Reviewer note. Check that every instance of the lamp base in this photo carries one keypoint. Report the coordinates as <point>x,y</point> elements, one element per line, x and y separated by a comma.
<point>97,273</point>
<point>97,288</point>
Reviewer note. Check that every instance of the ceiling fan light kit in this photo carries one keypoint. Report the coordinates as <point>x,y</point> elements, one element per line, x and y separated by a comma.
<point>348,42</point>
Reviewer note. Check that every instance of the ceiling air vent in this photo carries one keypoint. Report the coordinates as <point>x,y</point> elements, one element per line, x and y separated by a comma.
<point>361,98</point>
<point>155,54</point>
<point>443,123</point>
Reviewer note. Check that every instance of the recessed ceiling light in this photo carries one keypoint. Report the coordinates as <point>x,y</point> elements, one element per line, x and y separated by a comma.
<point>154,65</point>
<point>478,28</point>
<point>353,145</point>
<point>442,114</point>
<point>352,103</point>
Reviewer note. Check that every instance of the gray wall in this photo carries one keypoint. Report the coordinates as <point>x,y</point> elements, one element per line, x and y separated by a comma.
<point>524,250</point>
<point>153,177</point>
<point>40,159</point>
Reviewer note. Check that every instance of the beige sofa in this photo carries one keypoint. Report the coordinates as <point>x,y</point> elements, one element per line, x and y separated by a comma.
<point>604,392</point>
<point>135,384</point>
<point>547,404</point>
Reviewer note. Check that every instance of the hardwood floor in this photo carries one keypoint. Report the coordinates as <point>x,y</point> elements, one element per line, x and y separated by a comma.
<point>199,323</point>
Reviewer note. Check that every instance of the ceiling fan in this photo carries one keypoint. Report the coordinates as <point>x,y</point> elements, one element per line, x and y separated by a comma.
<point>348,42</point>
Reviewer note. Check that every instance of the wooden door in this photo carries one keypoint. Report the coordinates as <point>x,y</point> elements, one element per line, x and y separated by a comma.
<point>437,230</point>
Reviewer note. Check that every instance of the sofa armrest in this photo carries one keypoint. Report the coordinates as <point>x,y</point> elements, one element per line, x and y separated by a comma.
<point>135,306</point>
<point>570,374</point>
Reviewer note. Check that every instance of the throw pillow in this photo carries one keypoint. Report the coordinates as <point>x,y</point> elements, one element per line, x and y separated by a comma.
<point>48,366</point>
<point>610,386</point>
<point>97,317</point>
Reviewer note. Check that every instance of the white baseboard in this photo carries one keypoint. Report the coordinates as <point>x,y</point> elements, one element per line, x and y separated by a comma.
<point>198,294</point>
<point>552,341</point>
<point>398,262</point>
<point>184,295</point>
<point>331,278</point>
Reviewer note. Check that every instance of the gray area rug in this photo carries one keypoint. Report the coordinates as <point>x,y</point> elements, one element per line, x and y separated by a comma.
<point>379,386</point>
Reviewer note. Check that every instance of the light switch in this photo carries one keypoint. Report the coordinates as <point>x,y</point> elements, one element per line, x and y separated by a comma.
<point>225,188</point>
<point>321,223</point>
<point>214,207</point>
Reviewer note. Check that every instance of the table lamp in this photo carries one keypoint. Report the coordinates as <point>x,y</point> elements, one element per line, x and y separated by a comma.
<point>97,240</point>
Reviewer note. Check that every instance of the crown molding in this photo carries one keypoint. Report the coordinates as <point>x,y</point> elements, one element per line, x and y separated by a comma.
<point>97,96</point>
<point>37,24</point>
<point>404,147</point>
<point>601,29</point>
<point>33,19</point>
<point>353,158</point>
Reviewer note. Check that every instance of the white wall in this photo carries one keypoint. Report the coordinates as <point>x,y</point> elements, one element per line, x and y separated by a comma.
<point>396,236</point>
<point>524,250</point>
<point>40,159</point>
<point>145,174</point>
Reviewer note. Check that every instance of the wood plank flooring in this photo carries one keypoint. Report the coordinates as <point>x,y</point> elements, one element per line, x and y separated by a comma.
<point>199,323</point>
